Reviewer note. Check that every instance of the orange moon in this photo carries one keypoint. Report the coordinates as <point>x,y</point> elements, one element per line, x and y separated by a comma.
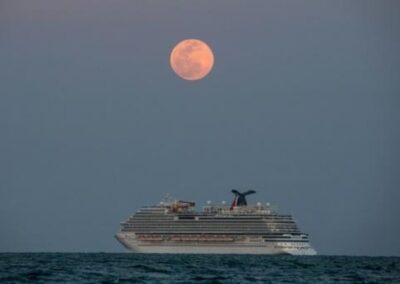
<point>192,59</point>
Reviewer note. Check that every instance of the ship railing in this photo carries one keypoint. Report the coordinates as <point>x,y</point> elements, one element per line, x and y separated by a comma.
<point>242,210</point>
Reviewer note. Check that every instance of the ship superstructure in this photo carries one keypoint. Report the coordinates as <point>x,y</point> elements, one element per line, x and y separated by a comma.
<point>172,226</point>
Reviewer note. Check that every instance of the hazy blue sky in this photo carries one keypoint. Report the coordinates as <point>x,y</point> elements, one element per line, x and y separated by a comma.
<point>302,105</point>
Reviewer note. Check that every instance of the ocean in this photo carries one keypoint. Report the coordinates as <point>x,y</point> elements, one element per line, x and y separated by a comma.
<point>169,268</point>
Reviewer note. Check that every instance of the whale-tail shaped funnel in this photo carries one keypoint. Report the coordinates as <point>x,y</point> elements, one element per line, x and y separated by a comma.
<point>240,198</point>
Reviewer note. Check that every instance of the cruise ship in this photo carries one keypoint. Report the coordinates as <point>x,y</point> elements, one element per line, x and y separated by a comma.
<point>173,226</point>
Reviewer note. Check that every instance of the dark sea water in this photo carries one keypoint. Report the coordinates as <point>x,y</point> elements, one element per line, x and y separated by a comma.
<point>141,268</point>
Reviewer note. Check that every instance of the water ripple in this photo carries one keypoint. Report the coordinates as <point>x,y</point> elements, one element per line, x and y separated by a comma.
<point>140,268</point>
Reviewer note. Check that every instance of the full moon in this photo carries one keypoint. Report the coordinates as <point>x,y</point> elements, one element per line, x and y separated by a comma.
<point>192,59</point>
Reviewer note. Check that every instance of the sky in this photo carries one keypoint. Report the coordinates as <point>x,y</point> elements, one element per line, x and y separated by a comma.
<point>302,105</point>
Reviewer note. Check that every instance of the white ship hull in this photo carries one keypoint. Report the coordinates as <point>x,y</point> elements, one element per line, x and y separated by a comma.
<point>262,248</point>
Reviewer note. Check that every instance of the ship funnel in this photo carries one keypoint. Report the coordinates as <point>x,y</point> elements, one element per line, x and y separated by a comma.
<point>240,198</point>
